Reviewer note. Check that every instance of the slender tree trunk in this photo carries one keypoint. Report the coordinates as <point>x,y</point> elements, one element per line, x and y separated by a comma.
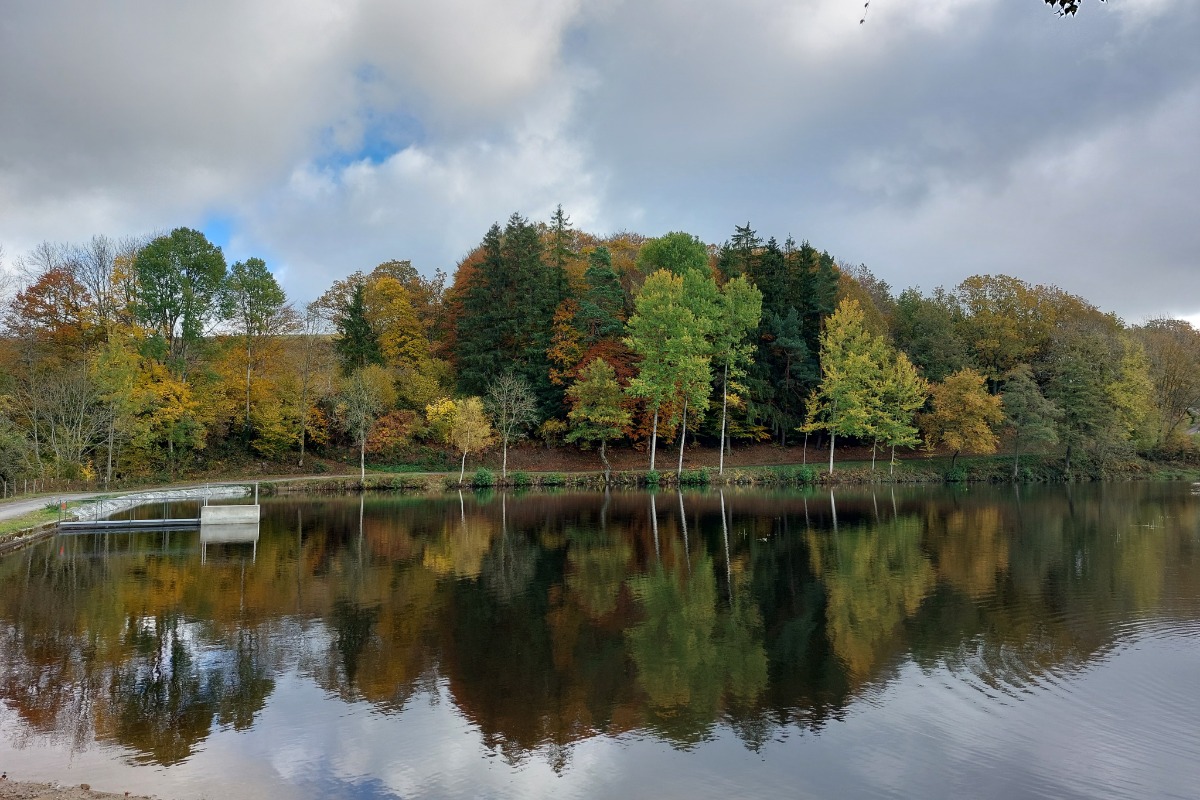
<point>892,464</point>
<point>804,451</point>
<point>112,435</point>
<point>463,470</point>
<point>362,460</point>
<point>683,525</point>
<point>654,527</point>
<point>832,438</point>
<point>724,412</point>
<point>653,439</point>
<point>247,384</point>
<point>953,459</point>
<point>604,460</point>
<point>682,441</point>
<point>504,461</point>
<point>874,444</point>
<point>1016,459</point>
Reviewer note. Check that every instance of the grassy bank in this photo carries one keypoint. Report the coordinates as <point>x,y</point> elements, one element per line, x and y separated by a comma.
<point>985,469</point>
<point>18,531</point>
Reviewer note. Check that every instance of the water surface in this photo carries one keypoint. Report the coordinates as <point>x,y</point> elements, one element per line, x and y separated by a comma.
<point>985,642</point>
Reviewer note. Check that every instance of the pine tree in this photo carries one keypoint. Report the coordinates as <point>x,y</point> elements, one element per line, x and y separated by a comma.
<point>356,345</point>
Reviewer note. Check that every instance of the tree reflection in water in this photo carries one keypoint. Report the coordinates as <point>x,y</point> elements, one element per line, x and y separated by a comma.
<point>548,619</point>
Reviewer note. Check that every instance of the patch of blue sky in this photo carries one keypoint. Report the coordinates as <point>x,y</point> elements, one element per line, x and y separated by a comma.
<point>219,230</point>
<point>222,230</point>
<point>384,132</point>
<point>383,135</point>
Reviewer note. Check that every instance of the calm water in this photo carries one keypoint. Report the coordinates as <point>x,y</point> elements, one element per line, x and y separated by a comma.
<point>915,643</point>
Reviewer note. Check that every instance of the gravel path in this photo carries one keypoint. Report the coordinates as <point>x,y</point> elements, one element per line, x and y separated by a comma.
<point>111,504</point>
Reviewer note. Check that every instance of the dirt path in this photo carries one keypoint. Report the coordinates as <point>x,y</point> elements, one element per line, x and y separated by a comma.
<point>20,790</point>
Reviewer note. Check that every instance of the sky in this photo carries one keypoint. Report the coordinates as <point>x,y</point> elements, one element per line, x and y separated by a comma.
<point>936,140</point>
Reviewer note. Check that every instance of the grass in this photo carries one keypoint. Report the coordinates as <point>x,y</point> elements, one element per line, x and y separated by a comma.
<point>33,519</point>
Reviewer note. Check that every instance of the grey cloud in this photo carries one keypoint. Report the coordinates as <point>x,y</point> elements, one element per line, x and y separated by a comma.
<point>937,140</point>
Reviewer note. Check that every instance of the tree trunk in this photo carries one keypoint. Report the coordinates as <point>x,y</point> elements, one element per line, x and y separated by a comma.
<point>653,439</point>
<point>724,412</point>
<point>953,459</point>
<point>874,443</point>
<point>804,452</point>
<point>463,470</point>
<point>892,465</point>
<point>362,460</point>
<point>112,424</point>
<point>504,461</point>
<point>1016,459</point>
<point>604,460</point>
<point>682,441</point>
<point>247,385</point>
<point>832,439</point>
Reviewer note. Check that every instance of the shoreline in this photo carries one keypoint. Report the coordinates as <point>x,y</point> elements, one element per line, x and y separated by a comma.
<point>31,790</point>
<point>908,471</point>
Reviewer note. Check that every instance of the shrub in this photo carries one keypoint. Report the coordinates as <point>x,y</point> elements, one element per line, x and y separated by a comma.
<point>652,478</point>
<point>483,477</point>
<point>695,477</point>
<point>553,479</point>
<point>521,479</point>
<point>956,474</point>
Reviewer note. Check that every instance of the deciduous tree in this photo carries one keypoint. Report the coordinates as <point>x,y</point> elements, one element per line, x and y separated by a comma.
<point>179,280</point>
<point>739,310</point>
<point>257,308</point>
<point>852,367</point>
<point>513,408</point>
<point>597,412</point>
<point>1029,418</point>
<point>963,416</point>
<point>364,395</point>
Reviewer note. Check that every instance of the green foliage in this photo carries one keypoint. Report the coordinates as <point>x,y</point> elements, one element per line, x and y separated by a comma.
<point>695,477</point>
<point>799,286</point>
<point>853,359</point>
<point>672,319</point>
<point>956,474</point>
<point>483,477</point>
<point>521,479</point>
<point>1029,418</point>
<point>507,313</point>
<point>924,329</point>
<point>357,344</point>
<point>179,281</point>
<point>652,478</point>
<point>679,253</point>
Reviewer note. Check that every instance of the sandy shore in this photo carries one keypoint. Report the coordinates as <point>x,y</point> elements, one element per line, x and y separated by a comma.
<point>20,790</point>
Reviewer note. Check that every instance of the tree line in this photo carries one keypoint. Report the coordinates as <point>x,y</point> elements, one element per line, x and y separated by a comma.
<point>154,357</point>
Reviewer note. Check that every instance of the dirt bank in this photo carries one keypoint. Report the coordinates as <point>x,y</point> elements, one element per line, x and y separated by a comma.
<point>20,790</point>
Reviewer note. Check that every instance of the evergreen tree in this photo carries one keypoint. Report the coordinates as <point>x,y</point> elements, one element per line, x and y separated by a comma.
<point>356,345</point>
<point>602,306</point>
<point>507,315</point>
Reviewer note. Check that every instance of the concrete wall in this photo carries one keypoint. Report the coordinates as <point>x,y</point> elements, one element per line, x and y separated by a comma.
<point>225,515</point>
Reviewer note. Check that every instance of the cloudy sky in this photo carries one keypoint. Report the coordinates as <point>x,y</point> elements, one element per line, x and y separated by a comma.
<point>940,139</point>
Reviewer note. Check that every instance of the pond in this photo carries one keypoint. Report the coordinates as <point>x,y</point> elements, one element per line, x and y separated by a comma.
<point>982,642</point>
